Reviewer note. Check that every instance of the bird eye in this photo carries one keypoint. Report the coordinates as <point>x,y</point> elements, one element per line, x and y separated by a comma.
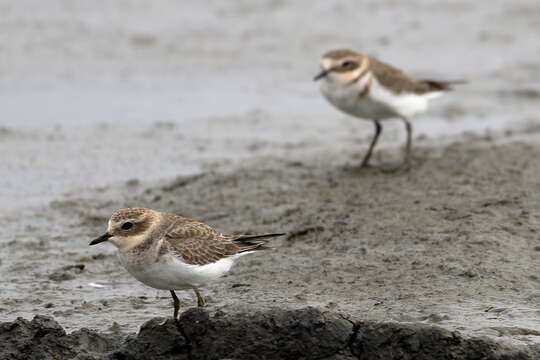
<point>348,64</point>
<point>127,225</point>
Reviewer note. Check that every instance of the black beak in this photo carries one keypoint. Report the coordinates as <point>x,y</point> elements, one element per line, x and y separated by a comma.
<point>321,74</point>
<point>101,239</point>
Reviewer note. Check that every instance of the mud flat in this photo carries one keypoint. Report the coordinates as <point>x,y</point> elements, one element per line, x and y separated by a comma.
<point>438,262</point>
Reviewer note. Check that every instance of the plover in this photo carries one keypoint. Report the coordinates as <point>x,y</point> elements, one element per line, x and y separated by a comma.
<point>170,252</point>
<point>367,88</point>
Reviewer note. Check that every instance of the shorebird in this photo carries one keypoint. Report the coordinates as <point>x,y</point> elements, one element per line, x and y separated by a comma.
<point>170,252</point>
<point>367,88</point>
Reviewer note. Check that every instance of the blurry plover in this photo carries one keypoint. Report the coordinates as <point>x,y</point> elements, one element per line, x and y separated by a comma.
<point>170,252</point>
<point>364,87</point>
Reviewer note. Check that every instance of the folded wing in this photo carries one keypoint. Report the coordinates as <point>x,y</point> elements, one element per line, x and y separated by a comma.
<point>199,244</point>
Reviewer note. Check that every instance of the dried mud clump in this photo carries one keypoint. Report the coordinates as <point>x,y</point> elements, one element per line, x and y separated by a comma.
<point>277,334</point>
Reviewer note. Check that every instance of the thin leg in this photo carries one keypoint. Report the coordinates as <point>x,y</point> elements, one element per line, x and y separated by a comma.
<point>200,300</point>
<point>378,129</point>
<point>408,145</point>
<point>176,304</point>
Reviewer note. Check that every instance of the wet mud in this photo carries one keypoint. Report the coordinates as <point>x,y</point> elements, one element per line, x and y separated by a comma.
<point>450,244</point>
<point>174,108</point>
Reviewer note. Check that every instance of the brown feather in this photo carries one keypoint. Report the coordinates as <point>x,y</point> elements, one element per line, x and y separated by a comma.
<point>199,244</point>
<point>398,82</point>
<point>339,54</point>
<point>248,243</point>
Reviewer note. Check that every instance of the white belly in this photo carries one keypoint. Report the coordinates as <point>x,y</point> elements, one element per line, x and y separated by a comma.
<point>378,104</point>
<point>171,273</point>
<point>348,100</point>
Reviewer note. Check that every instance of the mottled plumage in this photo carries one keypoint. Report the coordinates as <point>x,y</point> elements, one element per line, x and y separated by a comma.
<point>199,244</point>
<point>170,252</point>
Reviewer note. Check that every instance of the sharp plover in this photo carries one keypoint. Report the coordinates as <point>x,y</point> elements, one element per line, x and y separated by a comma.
<point>170,252</point>
<point>365,87</point>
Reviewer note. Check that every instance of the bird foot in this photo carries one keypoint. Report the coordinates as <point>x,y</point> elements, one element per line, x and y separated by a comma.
<point>353,168</point>
<point>401,168</point>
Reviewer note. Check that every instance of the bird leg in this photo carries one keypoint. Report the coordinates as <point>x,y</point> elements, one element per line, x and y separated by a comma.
<point>200,299</point>
<point>408,145</point>
<point>406,164</point>
<point>378,129</point>
<point>176,304</point>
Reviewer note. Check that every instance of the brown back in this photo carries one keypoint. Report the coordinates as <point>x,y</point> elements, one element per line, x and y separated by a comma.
<point>397,81</point>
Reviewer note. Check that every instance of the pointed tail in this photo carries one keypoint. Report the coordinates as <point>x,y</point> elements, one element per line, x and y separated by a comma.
<point>436,85</point>
<point>252,242</point>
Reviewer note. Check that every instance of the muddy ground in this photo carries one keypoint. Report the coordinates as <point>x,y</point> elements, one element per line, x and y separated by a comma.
<point>275,334</point>
<point>453,243</point>
<point>207,109</point>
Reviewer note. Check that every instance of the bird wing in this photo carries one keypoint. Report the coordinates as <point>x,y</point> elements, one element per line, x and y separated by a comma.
<point>196,242</point>
<point>199,244</point>
<point>396,80</point>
